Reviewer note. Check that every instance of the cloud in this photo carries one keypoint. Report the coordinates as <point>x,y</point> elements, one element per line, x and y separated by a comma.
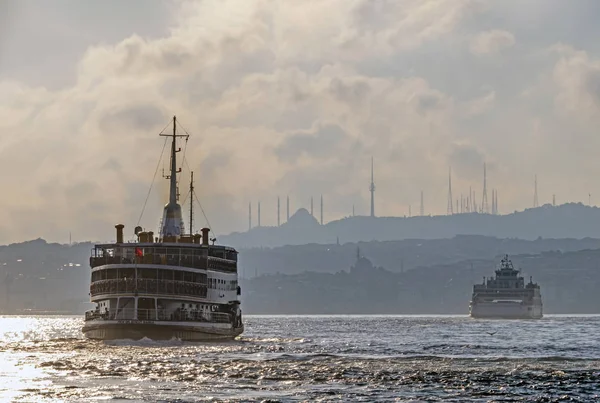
<point>285,98</point>
<point>491,42</point>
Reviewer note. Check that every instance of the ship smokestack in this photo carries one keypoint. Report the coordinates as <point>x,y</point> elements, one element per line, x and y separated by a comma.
<point>205,239</point>
<point>119,228</point>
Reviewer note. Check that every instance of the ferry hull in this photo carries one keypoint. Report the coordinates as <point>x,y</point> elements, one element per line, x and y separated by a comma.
<point>160,331</point>
<point>506,311</point>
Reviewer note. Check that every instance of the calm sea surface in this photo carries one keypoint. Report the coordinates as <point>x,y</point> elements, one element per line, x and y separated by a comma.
<point>310,358</point>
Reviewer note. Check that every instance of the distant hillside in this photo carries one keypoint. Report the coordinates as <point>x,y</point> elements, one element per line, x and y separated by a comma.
<point>569,284</point>
<point>572,220</point>
<point>50,276</point>
<point>396,256</point>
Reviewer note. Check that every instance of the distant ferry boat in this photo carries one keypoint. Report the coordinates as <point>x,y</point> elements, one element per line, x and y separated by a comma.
<point>176,285</point>
<point>506,296</point>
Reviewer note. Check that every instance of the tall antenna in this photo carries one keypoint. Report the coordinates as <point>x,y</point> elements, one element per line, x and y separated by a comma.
<point>470,200</point>
<point>450,209</point>
<point>321,209</point>
<point>249,216</point>
<point>496,201</point>
<point>353,210</point>
<point>258,214</point>
<point>484,199</point>
<point>372,190</point>
<point>554,200</point>
<point>535,193</point>
<point>278,213</point>
<point>422,209</point>
<point>311,206</point>
<point>191,202</point>
<point>409,211</point>
<point>493,202</point>
<point>288,209</point>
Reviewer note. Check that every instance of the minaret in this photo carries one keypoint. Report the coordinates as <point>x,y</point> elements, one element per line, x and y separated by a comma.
<point>484,198</point>
<point>311,206</point>
<point>422,209</point>
<point>321,209</point>
<point>287,209</point>
<point>249,216</point>
<point>372,190</point>
<point>535,193</point>
<point>258,218</point>
<point>450,209</point>
<point>278,213</point>
<point>172,222</point>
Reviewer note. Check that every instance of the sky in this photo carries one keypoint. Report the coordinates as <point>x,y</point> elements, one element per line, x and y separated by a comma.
<point>291,98</point>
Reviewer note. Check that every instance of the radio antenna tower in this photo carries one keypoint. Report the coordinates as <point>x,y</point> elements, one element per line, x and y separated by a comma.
<point>450,209</point>
<point>278,212</point>
<point>249,216</point>
<point>422,209</point>
<point>372,190</point>
<point>535,193</point>
<point>484,199</point>
<point>259,214</point>
<point>321,209</point>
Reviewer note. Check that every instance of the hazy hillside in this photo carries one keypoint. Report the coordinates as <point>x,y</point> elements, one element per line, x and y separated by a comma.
<point>395,255</point>
<point>569,283</point>
<point>572,220</point>
<point>45,276</point>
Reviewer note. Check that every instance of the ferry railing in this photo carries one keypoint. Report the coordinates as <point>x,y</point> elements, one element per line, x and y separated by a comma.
<point>148,286</point>
<point>179,315</point>
<point>170,258</point>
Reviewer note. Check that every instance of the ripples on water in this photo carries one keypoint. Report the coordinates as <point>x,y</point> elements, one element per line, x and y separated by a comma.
<point>310,358</point>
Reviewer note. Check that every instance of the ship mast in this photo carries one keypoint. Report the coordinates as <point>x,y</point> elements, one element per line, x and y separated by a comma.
<point>172,221</point>
<point>191,202</point>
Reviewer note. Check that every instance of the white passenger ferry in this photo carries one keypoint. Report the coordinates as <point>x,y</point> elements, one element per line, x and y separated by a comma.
<point>506,296</point>
<point>175,285</point>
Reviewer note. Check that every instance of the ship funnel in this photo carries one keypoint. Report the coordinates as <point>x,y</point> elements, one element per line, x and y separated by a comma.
<point>119,228</point>
<point>205,232</point>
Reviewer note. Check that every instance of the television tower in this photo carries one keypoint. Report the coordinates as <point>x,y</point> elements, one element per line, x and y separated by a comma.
<point>249,216</point>
<point>535,193</point>
<point>422,209</point>
<point>484,199</point>
<point>278,213</point>
<point>321,209</point>
<point>372,190</point>
<point>288,209</point>
<point>259,214</point>
<point>554,200</point>
<point>311,206</point>
<point>450,209</point>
